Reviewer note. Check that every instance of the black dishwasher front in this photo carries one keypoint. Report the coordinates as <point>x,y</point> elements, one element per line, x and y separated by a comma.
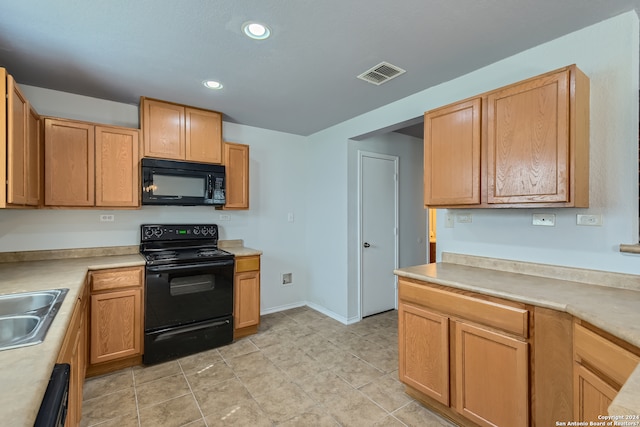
<point>53,409</point>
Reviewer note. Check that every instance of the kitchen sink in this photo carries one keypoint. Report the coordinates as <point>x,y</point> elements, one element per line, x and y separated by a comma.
<point>26,302</point>
<point>25,318</point>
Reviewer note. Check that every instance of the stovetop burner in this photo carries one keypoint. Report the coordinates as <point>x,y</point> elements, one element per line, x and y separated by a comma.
<point>165,255</point>
<point>174,244</point>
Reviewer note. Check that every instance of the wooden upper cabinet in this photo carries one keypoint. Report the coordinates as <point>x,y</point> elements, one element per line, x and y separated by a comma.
<point>236,161</point>
<point>452,154</point>
<point>163,129</point>
<point>69,163</point>
<point>22,147</point>
<point>116,166</point>
<point>529,142</point>
<point>178,132</point>
<point>203,131</point>
<point>17,113</point>
<point>34,158</point>
<point>533,146</point>
<point>90,165</point>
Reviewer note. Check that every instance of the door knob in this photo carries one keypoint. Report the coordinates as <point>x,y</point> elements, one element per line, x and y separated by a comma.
<point>366,245</point>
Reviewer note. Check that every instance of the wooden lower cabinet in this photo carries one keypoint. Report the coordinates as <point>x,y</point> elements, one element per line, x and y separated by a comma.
<point>471,370</point>
<point>116,319</point>
<point>246,311</point>
<point>423,352</point>
<point>74,352</point>
<point>592,395</point>
<point>600,368</point>
<point>492,372</point>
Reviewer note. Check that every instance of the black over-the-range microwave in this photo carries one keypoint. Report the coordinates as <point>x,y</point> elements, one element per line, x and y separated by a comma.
<point>171,182</point>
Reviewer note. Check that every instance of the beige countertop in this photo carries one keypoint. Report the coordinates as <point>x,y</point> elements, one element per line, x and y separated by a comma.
<point>237,248</point>
<point>615,310</point>
<point>25,371</point>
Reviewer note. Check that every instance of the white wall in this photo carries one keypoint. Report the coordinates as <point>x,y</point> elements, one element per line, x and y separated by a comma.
<point>277,187</point>
<point>412,219</point>
<point>608,53</point>
<point>310,177</point>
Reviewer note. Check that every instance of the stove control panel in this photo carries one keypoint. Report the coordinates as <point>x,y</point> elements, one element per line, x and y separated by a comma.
<point>150,232</point>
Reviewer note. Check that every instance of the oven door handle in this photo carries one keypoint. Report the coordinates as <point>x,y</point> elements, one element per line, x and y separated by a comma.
<point>215,264</point>
<point>166,335</point>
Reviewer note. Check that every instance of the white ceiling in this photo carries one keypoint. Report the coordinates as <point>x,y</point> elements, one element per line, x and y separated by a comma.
<point>302,79</point>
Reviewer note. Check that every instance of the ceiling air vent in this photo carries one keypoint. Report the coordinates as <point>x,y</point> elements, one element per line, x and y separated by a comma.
<point>383,72</point>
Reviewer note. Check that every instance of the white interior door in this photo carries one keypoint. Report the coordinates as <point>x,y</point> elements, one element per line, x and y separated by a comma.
<point>378,231</point>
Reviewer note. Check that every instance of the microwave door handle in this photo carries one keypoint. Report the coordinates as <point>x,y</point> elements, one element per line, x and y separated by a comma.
<point>209,188</point>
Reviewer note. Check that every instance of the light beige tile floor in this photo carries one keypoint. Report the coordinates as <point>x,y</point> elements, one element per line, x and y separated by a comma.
<point>302,369</point>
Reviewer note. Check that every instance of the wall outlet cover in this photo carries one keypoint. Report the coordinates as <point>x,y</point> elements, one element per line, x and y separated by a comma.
<point>548,220</point>
<point>592,220</point>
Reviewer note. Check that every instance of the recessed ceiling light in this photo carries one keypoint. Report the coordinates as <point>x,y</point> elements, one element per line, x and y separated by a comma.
<point>212,84</point>
<point>255,30</point>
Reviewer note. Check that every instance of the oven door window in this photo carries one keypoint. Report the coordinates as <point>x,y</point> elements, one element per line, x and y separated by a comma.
<point>192,284</point>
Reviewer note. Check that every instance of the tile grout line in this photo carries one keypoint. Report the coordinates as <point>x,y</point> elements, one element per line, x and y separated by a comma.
<point>135,392</point>
<point>193,394</point>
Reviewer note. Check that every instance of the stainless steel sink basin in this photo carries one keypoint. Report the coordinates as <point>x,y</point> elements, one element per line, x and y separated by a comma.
<point>24,303</point>
<point>25,318</point>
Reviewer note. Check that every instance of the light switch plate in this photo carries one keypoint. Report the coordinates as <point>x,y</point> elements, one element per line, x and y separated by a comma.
<point>464,218</point>
<point>448,219</point>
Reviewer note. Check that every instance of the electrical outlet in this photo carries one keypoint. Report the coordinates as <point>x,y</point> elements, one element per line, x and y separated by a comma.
<point>107,218</point>
<point>463,218</point>
<point>224,217</point>
<point>548,220</point>
<point>594,220</point>
<point>290,217</point>
<point>287,278</point>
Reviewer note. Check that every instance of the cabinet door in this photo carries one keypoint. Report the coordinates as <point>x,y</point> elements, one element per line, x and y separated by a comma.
<point>69,163</point>
<point>592,396</point>
<point>247,299</point>
<point>528,141</point>
<point>116,325</point>
<point>236,161</point>
<point>452,154</point>
<point>423,351</point>
<point>117,167</point>
<point>34,159</point>
<point>17,113</point>
<point>203,136</point>
<point>163,130</point>
<point>491,377</point>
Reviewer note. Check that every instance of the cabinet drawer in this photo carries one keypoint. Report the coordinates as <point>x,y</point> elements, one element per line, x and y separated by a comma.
<point>510,319</point>
<point>103,280</point>
<point>251,263</point>
<point>603,355</point>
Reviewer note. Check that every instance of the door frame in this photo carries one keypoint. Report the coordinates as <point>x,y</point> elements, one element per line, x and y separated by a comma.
<point>362,154</point>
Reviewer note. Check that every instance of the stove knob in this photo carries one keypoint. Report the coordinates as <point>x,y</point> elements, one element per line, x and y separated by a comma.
<point>157,232</point>
<point>205,231</point>
<point>196,231</point>
<point>148,232</point>
<point>212,231</point>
